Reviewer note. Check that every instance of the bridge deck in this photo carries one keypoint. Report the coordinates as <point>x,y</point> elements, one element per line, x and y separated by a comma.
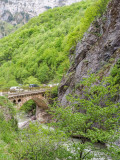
<point>24,93</point>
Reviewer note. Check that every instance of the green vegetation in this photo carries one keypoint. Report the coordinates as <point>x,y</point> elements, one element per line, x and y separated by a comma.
<point>116,72</point>
<point>29,107</point>
<point>54,92</point>
<point>39,143</point>
<point>8,128</point>
<point>6,28</point>
<point>38,52</point>
<point>40,49</point>
<point>35,142</point>
<point>92,116</point>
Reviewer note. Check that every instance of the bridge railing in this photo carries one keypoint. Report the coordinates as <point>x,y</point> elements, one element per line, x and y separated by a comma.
<point>5,92</point>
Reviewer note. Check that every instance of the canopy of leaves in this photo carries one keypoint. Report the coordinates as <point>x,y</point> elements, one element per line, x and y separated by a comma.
<point>6,28</point>
<point>40,49</point>
<point>115,72</point>
<point>93,115</point>
<point>29,106</point>
<point>8,127</point>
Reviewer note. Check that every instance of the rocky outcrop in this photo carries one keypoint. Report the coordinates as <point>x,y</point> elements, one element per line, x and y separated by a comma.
<point>100,44</point>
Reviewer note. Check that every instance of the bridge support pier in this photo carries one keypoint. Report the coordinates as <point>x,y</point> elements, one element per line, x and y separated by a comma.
<point>41,115</point>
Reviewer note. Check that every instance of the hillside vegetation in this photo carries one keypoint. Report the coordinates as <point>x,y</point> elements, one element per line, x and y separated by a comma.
<point>38,52</point>
<point>6,28</point>
<point>8,127</point>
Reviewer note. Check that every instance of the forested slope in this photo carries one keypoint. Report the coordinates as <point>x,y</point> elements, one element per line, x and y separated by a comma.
<point>89,93</point>
<point>6,28</point>
<point>38,52</point>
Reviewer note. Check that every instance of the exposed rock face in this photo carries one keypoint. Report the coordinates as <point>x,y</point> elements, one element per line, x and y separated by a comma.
<point>99,44</point>
<point>17,11</point>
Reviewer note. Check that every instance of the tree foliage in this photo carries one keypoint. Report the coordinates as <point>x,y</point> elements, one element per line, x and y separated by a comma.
<point>40,48</point>
<point>94,114</point>
<point>29,106</point>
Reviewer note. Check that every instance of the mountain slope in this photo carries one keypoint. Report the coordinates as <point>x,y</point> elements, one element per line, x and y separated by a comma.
<point>38,47</point>
<point>17,13</point>
<point>97,53</point>
<point>6,28</point>
<point>38,52</point>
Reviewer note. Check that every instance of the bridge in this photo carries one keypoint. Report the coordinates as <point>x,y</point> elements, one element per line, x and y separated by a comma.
<point>38,96</point>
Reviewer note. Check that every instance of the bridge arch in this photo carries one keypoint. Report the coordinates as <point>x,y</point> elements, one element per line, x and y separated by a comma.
<point>14,101</point>
<point>41,107</point>
<point>41,104</point>
<point>40,101</point>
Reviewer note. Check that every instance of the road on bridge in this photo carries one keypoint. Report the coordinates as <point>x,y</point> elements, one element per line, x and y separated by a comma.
<point>23,93</point>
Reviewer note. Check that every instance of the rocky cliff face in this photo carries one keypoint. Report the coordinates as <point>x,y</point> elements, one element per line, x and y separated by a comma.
<point>20,11</point>
<point>100,44</point>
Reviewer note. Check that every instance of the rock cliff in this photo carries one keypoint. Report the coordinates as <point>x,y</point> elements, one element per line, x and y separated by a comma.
<point>99,46</point>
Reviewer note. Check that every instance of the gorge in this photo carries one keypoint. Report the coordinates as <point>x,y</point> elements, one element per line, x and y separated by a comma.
<point>77,47</point>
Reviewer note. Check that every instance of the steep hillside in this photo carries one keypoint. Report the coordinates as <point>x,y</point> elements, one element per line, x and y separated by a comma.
<point>16,12</point>
<point>42,46</point>
<point>6,28</point>
<point>97,53</point>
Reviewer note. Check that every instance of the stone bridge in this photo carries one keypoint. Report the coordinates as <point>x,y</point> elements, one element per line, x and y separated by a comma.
<point>39,97</point>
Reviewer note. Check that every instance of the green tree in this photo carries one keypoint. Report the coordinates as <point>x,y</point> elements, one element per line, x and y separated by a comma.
<point>40,143</point>
<point>94,114</point>
<point>115,72</point>
<point>31,80</point>
<point>45,41</point>
<point>29,107</point>
<point>43,73</point>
